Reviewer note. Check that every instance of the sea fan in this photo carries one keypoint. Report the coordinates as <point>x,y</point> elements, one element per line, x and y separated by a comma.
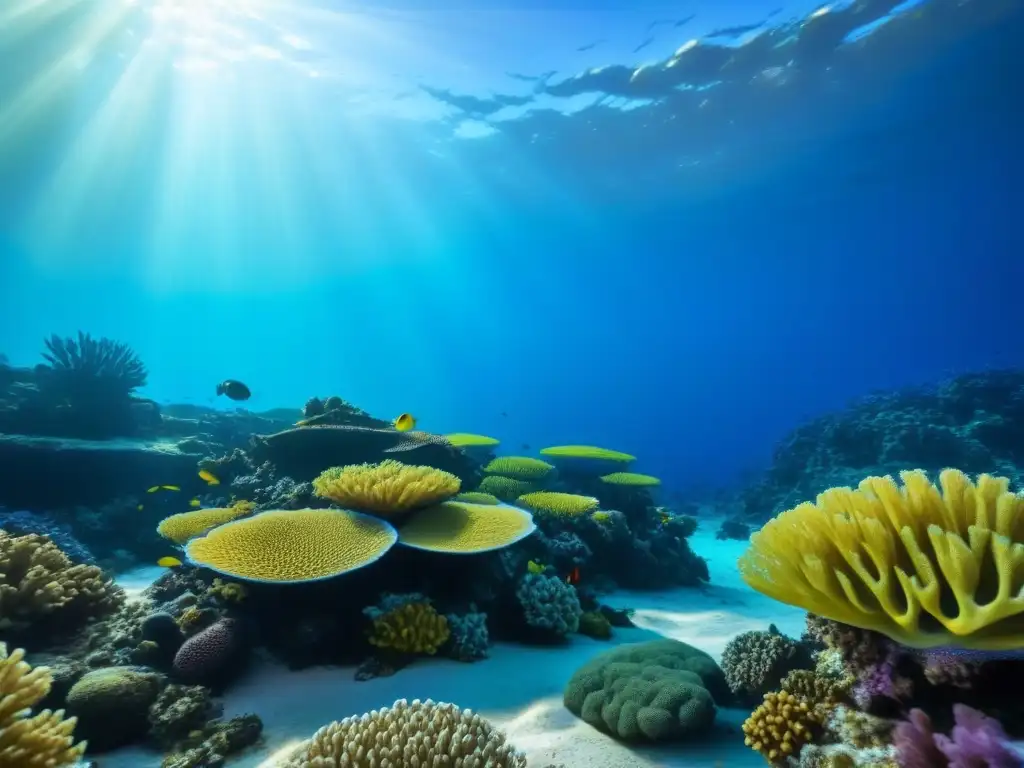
<point>94,364</point>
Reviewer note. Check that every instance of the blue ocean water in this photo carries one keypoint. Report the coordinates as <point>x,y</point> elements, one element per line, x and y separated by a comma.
<point>520,220</point>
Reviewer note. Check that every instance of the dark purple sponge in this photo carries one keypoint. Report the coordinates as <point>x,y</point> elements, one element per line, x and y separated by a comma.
<point>207,656</point>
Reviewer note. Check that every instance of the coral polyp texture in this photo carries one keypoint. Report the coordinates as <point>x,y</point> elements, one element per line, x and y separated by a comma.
<point>44,740</point>
<point>558,504</point>
<point>505,488</point>
<point>781,726</point>
<point>388,488</point>
<point>924,565</point>
<point>634,479</point>
<point>40,587</point>
<point>519,468</point>
<point>477,497</point>
<point>458,528</point>
<point>293,546</point>
<point>413,627</point>
<point>183,526</point>
<point>420,733</point>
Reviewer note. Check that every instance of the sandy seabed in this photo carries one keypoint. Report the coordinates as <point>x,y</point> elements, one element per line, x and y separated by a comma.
<point>520,688</point>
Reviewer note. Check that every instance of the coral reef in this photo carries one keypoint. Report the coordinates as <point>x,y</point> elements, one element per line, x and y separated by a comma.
<point>407,624</point>
<point>549,604</point>
<point>944,539</point>
<point>43,739</point>
<point>755,662</point>
<point>469,639</point>
<point>416,733</point>
<point>42,593</point>
<point>654,691</point>
<point>112,705</point>
<point>389,488</point>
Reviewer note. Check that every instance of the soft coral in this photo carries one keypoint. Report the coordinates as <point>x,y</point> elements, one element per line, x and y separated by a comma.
<point>977,741</point>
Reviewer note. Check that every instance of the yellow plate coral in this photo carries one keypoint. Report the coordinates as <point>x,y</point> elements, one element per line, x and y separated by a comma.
<point>559,504</point>
<point>182,527</point>
<point>924,567</point>
<point>387,489</point>
<point>634,479</point>
<point>466,529</point>
<point>505,488</point>
<point>291,546</point>
<point>519,467</point>
<point>468,440</point>
<point>586,452</point>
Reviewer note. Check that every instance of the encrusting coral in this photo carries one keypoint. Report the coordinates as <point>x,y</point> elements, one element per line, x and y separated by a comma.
<point>389,488</point>
<point>44,740</point>
<point>923,567</point>
<point>559,504</point>
<point>421,733</point>
<point>39,584</point>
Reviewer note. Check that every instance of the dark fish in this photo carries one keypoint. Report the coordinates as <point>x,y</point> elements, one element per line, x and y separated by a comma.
<point>235,390</point>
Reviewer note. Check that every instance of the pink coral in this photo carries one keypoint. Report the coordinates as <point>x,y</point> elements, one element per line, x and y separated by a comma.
<point>977,741</point>
<point>206,656</point>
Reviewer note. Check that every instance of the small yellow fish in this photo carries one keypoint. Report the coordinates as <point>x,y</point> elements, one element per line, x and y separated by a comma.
<point>302,423</point>
<point>168,562</point>
<point>154,489</point>
<point>209,477</point>
<point>139,507</point>
<point>534,567</point>
<point>195,503</point>
<point>170,487</point>
<point>405,422</point>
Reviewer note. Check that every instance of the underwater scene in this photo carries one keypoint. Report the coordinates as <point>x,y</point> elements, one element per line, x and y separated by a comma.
<point>500,384</point>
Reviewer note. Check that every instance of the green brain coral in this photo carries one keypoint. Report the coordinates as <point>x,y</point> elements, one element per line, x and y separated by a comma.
<point>586,452</point>
<point>654,691</point>
<point>634,479</point>
<point>519,467</point>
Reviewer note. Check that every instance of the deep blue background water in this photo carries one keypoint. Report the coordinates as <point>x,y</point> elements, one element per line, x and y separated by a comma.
<point>603,277</point>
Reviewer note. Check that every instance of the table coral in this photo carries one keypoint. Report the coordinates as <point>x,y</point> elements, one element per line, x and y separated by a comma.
<point>44,739</point>
<point>389,488</point>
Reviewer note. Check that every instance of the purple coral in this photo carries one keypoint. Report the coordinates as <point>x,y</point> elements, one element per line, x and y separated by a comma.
<point>977,741</point>
<point>207,656</point>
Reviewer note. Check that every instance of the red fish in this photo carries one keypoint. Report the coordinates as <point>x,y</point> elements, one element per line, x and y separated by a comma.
<point>573,577</point>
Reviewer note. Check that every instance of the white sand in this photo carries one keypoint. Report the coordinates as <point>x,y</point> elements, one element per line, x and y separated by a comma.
<point>520,688</point>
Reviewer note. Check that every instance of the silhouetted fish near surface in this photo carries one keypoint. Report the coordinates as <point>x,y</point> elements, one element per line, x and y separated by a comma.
<point>234,389</point>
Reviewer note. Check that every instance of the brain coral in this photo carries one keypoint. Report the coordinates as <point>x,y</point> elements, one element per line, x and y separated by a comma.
<point>293,546</point>
<point>653,691</point>
<point>505,488</point>
<point>409,734</point>
<point>112,705</point>
<point>389,488</point>
<point>923,567</point>
<point>519,468</point>
<point>634,479</point>
<point>458,528</point>
<point>40,586</point>
<point>559,504</point>
<point>206,655</point>
<point>185,525</point>
<point>44,740</point>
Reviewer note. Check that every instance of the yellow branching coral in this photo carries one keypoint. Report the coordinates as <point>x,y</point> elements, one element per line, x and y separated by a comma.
<point>586,452</point>
<point>388,488</point>
<point>409,734</point>
<point>467,440</point>
<point>782,724</point>
<point>458,528</point>
<point>634,479</point>
<point>923,567</point>
<point>39,583</point>
<point>44,740</point>
<point>519,467</point>
<point>477,497</point>
<point>185,525</point>
<point>288,546</point>
<point>415,627</point>
<point>505,488</point>
<point>559,504</point>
